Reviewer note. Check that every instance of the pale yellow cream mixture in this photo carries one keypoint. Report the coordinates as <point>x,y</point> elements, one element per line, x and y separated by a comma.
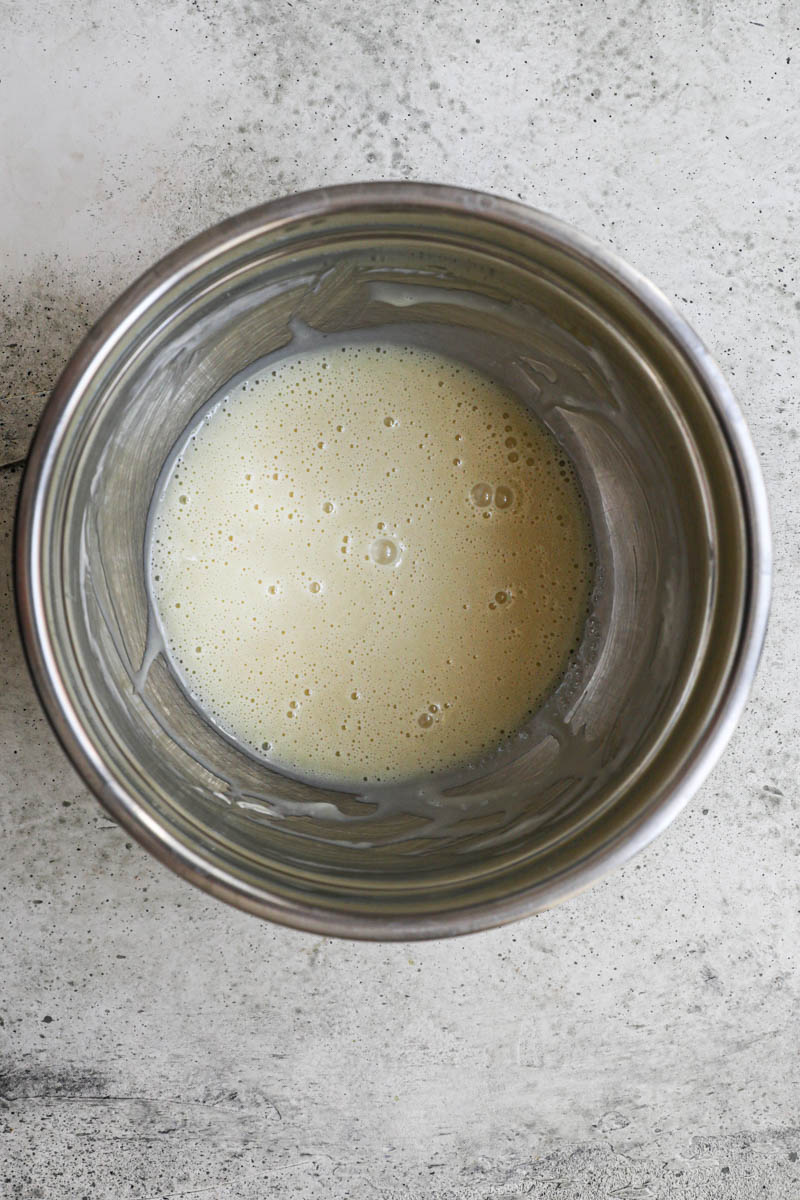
<point>370,563</point>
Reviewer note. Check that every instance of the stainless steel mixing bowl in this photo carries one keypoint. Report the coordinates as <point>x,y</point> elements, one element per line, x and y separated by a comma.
<point>680,524</point>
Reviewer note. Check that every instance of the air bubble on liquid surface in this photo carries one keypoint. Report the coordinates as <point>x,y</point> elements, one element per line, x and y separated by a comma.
<point>503,497</point>
<point>328,506</point>
<point>385,552</point>
<point>481,495</point>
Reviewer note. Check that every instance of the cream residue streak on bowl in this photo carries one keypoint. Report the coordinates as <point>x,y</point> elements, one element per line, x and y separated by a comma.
<point>370,563</point>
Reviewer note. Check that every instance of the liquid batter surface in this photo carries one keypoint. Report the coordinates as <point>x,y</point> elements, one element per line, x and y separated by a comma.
<point>370,563</point>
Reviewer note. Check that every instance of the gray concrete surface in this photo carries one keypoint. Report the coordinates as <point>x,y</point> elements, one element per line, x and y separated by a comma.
<point>639,1042</point>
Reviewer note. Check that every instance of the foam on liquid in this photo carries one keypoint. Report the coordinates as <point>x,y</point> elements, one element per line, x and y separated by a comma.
<point>370,563</point>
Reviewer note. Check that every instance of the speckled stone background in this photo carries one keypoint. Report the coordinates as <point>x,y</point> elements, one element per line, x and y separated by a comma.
<point>639,1042</point>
